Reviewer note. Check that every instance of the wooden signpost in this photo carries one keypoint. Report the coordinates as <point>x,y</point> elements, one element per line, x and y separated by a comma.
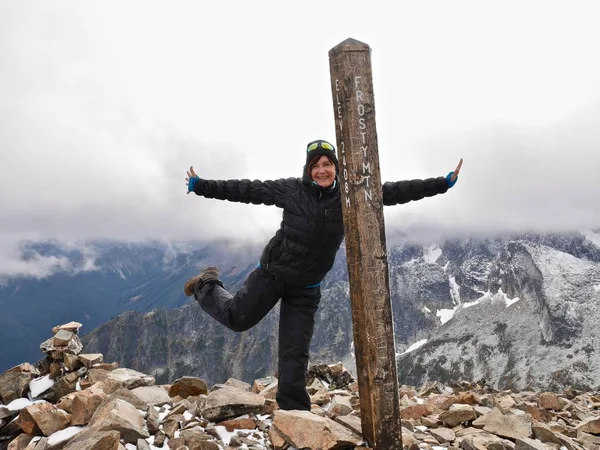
<point>354,111</point>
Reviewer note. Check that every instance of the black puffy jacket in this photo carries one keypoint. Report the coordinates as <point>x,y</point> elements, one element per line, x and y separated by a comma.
<point>304,248</point>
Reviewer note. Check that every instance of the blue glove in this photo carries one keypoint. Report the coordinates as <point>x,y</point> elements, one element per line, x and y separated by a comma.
<point>448,180</point>
<point>192,183</point>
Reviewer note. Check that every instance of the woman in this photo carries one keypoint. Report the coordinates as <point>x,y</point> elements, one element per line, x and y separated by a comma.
<point>295,261</point>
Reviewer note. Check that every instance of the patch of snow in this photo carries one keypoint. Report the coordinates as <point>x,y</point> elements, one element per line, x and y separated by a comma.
<point>486,296</point>
<point>593,237</point>
<point>40,385</point>
<point>262,416</point>
<point>432,254</point>
<point>20,403</point>
<point>421,428</point>
<point>165,410</point>
<point>419,401</point>
<point>426,309</point>
<point>446,265</point>
<point>63,435</point>
<point>188,416</point>
<point>78,386</point>
<point>119,271</point>
<point>415,346</point>
<point>445,314</point>
<point>224,434</point>
<point>130,447</point>
<point>509,301</point>
<point>454,291</point>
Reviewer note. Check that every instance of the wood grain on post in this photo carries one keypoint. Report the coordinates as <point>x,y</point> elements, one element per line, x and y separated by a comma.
<point>360,178</point>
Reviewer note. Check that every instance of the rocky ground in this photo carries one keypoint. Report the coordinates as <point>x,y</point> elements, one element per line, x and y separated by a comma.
<point>72,400</point>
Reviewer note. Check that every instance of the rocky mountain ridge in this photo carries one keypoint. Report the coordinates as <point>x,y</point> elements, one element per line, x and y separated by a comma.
<point>475,306</point>
<point>75,401</point>
<point>485,297</point>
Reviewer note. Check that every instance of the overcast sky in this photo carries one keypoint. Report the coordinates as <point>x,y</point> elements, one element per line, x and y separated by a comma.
<point>103,106</point>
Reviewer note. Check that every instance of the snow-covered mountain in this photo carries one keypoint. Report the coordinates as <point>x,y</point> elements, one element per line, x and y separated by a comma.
<point>534,325</point>
<point>517,311</point>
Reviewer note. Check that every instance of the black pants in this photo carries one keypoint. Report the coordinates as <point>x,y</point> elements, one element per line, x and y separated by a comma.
<point>254,300</point>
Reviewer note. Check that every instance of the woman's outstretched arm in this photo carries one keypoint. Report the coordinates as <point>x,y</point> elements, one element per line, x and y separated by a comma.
<point>398,192</point>
<point>244,191</point>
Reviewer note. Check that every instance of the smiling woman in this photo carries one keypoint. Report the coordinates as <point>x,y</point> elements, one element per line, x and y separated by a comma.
<point>296,260</point>
<point>322,171</point>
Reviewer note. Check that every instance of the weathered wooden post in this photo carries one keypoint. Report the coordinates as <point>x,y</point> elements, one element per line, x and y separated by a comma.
<point>354,110</point>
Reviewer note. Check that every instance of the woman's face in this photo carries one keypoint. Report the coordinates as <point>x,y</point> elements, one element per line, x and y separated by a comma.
<point>323,172</point>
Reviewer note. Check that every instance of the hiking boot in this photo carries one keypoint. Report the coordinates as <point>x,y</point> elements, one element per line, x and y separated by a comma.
<point>208,274</point>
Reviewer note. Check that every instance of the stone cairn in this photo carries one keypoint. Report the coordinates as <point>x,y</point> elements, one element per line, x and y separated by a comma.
<point>76,401</point>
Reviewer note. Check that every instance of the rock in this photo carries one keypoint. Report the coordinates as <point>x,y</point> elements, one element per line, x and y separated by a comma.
<point>152,420</point>
<point>72,362</point>
<point>529,444</point>
<point>544,434</point>
<point>443,435</point>
<point>20,442</point>
<point>142,445</point>
<point>591,425</point>
<point>8,396</point>
<point>303,429</point>
<point>457,413</point>
<point>130,379</point>
<point>351,422</point>
<point>62,338</point>
<point>43,418</point>
<point>152,395</point>
<point>340,406</point>
<point>196,438</point>
<point>549,400</point>
<point>509,426</point>
<point>71,326</point>
<point>177,443</point>
<point>505,402</point>
<point>316,386</point>
<point>17,380</point>
<point>232,382</point>
<point>485,441</point>
<point>259,384</point>
<point>94,439</point>
<point>229,402</point>
<point>187,386</point>
<point>84,405</point>
<point>239,424</point>
<point>106,366</point>
<point>64,386</point>
<point>89,359</point>
<point>171,425</point>
<point>6,413</point>
<point>57,353</point>
<point>270,391</point>
<point>119,415</point>
<point>99,375</point>
<point>321,397</point>
<point>588,440</point>
<point>415,412</point>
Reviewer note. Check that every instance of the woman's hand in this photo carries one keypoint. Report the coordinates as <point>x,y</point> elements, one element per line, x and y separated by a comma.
<point>452,177</point>
<point>191,179</point>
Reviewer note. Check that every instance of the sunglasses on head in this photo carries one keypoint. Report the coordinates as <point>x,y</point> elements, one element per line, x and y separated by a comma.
<point>316,145</point>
